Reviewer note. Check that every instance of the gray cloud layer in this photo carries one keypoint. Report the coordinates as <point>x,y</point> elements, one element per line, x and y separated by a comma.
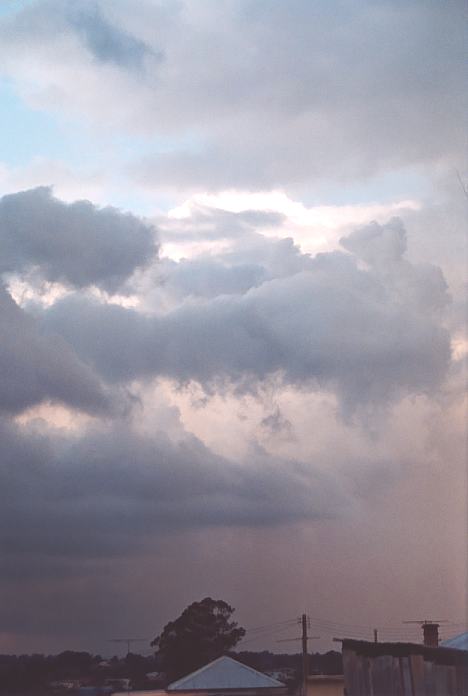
<point>77,244</point>
<point>366,324</point>
<point>253,93</point>
<point>369,335</point>
<point>108,491</point>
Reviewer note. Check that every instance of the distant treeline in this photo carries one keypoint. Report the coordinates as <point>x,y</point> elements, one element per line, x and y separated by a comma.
<point>34,673</point>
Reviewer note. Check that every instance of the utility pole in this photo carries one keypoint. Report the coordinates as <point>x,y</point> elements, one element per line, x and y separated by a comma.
<point>304,621</point>
<point>375,635</point>
<point>128,641</point>
<point>305,661</point>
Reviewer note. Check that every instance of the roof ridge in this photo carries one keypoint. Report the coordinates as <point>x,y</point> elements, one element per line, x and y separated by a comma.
<point>255,671</point>
<point>193,674</point>
<point>174,686</point>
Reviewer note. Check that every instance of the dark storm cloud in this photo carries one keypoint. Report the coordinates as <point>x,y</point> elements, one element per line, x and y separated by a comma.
<point>369,335</point>
<point>75,506</point>
<point>107,492</point>
<point>75,243</point>
<point>36,368</point>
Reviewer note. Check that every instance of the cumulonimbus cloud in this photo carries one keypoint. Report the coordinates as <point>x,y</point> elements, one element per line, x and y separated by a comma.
<point>371,335</point>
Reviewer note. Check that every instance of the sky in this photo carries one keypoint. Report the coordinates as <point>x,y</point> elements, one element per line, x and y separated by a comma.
<point>232,308</point>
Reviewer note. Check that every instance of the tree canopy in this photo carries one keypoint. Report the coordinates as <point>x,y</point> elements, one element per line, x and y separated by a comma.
<point>203,632</point>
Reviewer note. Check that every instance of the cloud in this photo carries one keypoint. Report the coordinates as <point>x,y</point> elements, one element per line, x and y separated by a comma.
<point>245,263</point>
<point>275,423</point>
<point>69,183</point>
<point>36,368</point>
<point>83,46</point>
<point>383,247</point>
<point>237,351</point>
<point>252,94</point>
<point>378,245</point>
<point>193,220</point>
<point>109,491</point>
<point>107,43</point>
<point>77,243</point>
<point>370,336</point>
<point>208,278</point>
<point>80,510</point>
<point>108,511</point>
<point>307,94</point>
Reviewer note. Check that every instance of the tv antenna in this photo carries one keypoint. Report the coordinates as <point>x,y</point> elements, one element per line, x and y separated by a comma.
<point>128,641</point>
<point>430,629</point>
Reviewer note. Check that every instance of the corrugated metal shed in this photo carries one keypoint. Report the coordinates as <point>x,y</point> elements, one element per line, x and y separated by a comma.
<point>403,669</point>
<point>458,642</point>
<point>224,673</point>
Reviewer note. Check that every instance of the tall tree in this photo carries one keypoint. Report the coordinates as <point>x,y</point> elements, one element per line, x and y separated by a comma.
<point>203,632</point>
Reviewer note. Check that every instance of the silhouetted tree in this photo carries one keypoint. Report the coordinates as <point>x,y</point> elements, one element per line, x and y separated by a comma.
<point>71,665</point>
<point>202,633</point>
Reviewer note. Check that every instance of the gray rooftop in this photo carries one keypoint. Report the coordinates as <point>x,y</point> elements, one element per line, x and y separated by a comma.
<point>224,673</point>
<point>458,642</point>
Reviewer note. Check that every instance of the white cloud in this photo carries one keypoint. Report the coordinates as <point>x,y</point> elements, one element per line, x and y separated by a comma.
<point>314,228</point>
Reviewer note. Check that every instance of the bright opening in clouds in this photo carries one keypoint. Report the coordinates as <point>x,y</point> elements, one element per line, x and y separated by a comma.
<point>232,314</point>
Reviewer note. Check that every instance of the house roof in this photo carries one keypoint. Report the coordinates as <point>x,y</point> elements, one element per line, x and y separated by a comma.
<point>458,642</point>
<point>224,673</point>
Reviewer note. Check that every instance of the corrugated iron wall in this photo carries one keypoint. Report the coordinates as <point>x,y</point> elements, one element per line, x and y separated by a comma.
<point>402,675</point>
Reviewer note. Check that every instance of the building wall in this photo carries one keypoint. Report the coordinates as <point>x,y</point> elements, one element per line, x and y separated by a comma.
<point>403,670</point>
<point>325,686</point>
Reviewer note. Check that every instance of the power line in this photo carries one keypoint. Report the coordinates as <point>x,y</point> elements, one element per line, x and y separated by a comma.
<point>383,626</point>
<point>387,628</point>
<point>265,634</point>
<point>272,625</point>
<point>388,632</point>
